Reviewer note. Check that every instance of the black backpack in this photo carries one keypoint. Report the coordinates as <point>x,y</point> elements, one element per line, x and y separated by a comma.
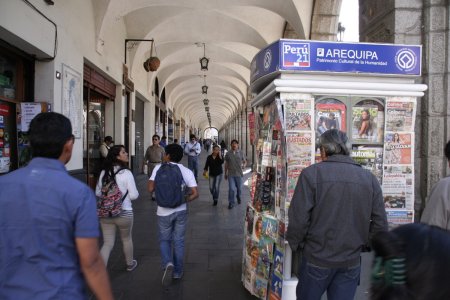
<point>170,186</point>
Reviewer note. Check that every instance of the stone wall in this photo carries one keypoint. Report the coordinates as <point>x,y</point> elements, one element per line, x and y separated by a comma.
<point>425,23</point>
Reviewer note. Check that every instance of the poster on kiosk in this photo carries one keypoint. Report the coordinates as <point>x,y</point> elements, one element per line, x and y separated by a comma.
<point>301,89</point>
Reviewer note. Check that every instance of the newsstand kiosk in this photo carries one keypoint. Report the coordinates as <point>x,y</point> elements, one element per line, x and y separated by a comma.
<point>302,88</point>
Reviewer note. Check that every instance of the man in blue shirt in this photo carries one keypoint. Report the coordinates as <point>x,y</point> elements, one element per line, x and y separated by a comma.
<point>48,223</point>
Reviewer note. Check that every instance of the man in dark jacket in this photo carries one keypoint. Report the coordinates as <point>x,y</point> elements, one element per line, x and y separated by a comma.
<point>336,207</point>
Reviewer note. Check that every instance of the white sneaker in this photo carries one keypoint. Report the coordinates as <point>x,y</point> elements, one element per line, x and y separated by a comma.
<point>167,276</point>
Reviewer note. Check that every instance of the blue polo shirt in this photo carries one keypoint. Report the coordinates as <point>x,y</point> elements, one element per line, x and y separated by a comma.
<point>42,210</point>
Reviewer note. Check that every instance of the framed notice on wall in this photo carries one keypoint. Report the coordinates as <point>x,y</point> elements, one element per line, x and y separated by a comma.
<point>71,98</point>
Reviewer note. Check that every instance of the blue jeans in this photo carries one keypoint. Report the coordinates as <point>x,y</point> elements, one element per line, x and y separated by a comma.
<point>172,228</point>
<point>234,187</point>
<point>214,185</point>
<point>193,164</point>
<point>339,283</point>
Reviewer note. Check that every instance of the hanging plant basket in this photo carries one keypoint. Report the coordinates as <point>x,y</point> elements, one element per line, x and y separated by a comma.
<point>152,64</point>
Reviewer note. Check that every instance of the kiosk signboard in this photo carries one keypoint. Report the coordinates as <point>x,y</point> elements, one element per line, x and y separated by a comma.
<point>314,56</point>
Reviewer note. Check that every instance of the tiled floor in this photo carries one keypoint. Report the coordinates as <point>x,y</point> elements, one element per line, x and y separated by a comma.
<point>213,250</point>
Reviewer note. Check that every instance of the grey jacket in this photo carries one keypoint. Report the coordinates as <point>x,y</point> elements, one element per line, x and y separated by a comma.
<point>335,206</point>
<point>437,209</point>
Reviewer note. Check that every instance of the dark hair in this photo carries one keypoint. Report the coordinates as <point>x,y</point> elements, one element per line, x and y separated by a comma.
<point>425,250</point>
<point>108,138</point>
<point>175,152</point>
<point>155,135</point>
<point>234,141</point>
<point>215,146</point>
<point>334,141</point>
<point>447,150</point>
<point>48,133</point>
<point>111,161</point>
<point>192,136</point>
<point>163,137</point>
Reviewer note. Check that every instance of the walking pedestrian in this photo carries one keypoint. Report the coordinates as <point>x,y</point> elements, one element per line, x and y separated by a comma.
<point>172,221</point>
<point>437,209</point>
<point>193,149</point>
<point>213,166</point>
<point>235,162</point>
<point>153,156</point>
<point>336,206</point>
<point>48,223</point>
<point>116,168</point>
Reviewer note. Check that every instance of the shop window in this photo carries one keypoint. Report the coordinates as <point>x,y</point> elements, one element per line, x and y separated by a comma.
<point>8,77</point>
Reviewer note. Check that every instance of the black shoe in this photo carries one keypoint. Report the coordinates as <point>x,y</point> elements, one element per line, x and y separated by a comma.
<point>230,206</point>
<point>215,203</point>
<point>238,200</point>
<point>153,199</point>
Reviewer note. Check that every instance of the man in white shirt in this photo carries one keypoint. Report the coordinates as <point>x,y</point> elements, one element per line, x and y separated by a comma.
<point>172,222</point>
<point>192,150</point>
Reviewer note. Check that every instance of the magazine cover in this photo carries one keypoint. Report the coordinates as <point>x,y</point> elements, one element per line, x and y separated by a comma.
<point>400,115</point>
<point>263,268</point>
<point>299,148</point>
<point>260,289</point>
<point>370,158</point>
<point>278,262</point>
<point>249,278</point>
<point>266,249</point>
<point>365,124</point>
<point>270,227</point>
<point>293,173</point>
<point>276,287</point>
<point>257,227</point>
<point>249,217</point>
<point>329,116</point>
<point>267,154</point>
<point>398,149</point>
<point>297,114</point>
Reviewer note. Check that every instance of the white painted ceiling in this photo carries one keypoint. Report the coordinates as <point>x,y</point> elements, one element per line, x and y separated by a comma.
<point>233,31</point>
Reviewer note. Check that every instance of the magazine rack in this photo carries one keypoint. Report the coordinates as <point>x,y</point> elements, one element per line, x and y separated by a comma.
<point>301,89</point>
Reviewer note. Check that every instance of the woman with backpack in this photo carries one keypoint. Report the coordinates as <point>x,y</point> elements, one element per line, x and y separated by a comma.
<point>115,174</point>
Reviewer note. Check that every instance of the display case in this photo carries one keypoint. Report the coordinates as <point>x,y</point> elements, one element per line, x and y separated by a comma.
<point>301,90</point>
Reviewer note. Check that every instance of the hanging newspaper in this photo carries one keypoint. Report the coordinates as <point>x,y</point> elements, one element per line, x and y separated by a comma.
<point>398,187</point>
<point>298,115</point>
<point>299,148</point>
<point>400,114</point>
<point>370,158</point>
<point>298,110</point>
<point>329,116</point>
<point>399,217</point>
<point>398,149</point>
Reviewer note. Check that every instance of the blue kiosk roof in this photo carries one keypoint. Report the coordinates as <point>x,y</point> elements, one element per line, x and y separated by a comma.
<point>304,56</point>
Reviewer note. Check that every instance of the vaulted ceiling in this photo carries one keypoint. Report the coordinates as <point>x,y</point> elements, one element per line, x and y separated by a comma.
<point>233,31</point>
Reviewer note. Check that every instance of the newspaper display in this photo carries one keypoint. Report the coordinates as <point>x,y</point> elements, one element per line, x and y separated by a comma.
<point>400,114</point>
<point>370,158</point>
<point>398,148</point>
<point>399,217</point>
<point>298,114</point>
<point>330,116</point>
<point>299,148</point>
<point>398,173</point>
<point>398,188</point>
